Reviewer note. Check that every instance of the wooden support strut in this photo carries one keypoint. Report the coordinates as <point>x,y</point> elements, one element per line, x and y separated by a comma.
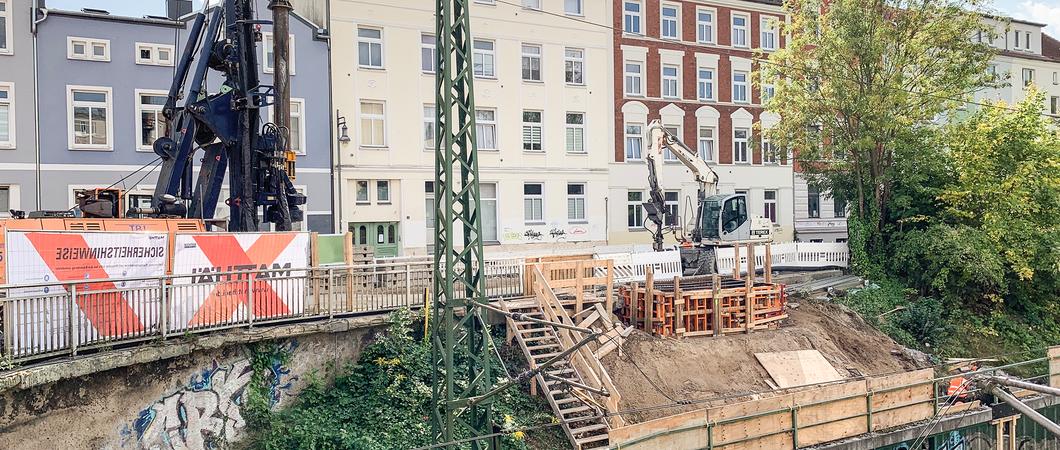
<point>749,320</point>
<point>649,298</point>
<point>716,303</point>
<point>679,308</point>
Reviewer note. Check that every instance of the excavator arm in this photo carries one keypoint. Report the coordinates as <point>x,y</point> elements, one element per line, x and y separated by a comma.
<point>660,140</point>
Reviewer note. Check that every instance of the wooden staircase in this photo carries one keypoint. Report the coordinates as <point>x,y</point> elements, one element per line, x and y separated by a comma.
<point>579,413</point>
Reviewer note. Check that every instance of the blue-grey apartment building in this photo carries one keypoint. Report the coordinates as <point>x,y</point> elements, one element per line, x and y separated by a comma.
<point>18,145</point>
<point>101,81</point>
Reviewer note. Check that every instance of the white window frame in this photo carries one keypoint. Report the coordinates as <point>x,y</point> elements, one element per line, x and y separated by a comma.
<point>534,5</point>
<point>429,123</point>
<point>153,60</point>
<point>766,204</point>
<point>700,84</point>
<point>380,41</point>
<point>709,26</point>
<point>389,195</point>
<point>627,78</point>
<point>674,130</point>
<point>13,199</point>
<point>639,208</point>
<point>540,125</point>
<point>89,53</point>
<point>700,140</point>
<point>626,140</point>
<point>528,58</point>
<point>581,8</point>
<point>139,108</point>
<point>11,115</point>
<point>633,18</point>
<point>767,26</point>
<point>269,111</point>
<point>577,199</point>
<point>676,19</point>
<point>482,54</point>
<point>746,29</point>
<point>575,63</point>
<point>770,154</point>
<point>764,88</point>
<point>367,192</point>
<point>745,147</point>
<point>432,48</point>
<point>361,116</point>
<point>674,206</point>
<point>1028,80</point>
<point>674,80</point>
<point>531,197</point>
<point>578,130</point>
<point>8,31</point>
<point>745,84</point>
<point>109,146</point>
<point>267,44</point>
<point>484,123</point>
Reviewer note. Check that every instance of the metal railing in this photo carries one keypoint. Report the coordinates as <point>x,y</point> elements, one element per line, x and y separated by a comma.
<point>64,318</point>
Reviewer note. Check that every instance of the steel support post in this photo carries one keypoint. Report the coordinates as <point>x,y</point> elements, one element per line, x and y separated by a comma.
<point>458,282</point>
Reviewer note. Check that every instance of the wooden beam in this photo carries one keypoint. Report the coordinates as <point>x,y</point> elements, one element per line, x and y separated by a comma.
<point>749,320</point>
<point>649,298</point>
<point>579,287</point>
<point>610,289</point>
<point>679,308</point>
<point>768,270</point>
<point>735,262</point>
<point>715,293</point>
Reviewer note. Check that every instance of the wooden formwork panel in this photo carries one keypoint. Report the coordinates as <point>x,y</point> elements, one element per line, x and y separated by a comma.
<point>840,418</point>
<point>773,418</point>
<point>1054,366</point>
<point>681,308</point>
<point>910,404</point>
<point>693,437</point>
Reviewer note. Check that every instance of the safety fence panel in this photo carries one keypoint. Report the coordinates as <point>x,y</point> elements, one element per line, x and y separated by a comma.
<point>634,266</point>
<point>792,255</point>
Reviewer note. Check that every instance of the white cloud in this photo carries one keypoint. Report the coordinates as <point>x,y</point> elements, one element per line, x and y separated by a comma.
<point>1041,12</point>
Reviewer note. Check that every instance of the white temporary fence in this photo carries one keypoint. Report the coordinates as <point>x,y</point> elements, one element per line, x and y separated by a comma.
<point>634,266</point>
<point>792,255</point>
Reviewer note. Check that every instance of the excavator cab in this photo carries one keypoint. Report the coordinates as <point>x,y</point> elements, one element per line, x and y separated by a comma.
<point>724,218</point>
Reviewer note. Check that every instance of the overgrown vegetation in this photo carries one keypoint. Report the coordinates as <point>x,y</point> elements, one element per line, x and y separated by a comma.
<point>955,209</point>
<point>383,402</point>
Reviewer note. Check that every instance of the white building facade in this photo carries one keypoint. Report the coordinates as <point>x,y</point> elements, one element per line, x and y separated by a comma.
<point>543,91</point>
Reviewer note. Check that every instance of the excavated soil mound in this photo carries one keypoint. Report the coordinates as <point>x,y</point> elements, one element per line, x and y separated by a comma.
<point>701,368</point>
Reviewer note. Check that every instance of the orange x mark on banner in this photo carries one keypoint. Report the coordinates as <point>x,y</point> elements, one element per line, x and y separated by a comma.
<point>224,252</point>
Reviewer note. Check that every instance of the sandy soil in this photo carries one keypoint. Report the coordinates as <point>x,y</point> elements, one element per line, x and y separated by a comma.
<point>700,368</point>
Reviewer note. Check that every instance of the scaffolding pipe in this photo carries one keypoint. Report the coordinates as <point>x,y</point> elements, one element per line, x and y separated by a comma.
<point>1027,411</point>
<point>1047,390</point>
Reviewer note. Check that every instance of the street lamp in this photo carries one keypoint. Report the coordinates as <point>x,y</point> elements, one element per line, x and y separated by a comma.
<point>344,135</point>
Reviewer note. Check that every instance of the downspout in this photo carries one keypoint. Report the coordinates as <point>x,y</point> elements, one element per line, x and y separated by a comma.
<point>336,155</point>
<point>34,21</point>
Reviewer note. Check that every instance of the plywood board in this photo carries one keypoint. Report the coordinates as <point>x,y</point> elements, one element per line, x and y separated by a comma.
<point>830,412</point>
<point>912,403</point>
<point>1054,366</point>
<point>694,437</point>
<point>798,368</point>
<point>774,419</point>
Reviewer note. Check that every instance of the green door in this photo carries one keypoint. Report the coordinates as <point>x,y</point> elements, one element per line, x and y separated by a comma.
<point>382,237</point>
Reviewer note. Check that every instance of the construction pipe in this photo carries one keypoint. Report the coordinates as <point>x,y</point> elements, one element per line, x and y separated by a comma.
<point>1027,411</point>
<point>1048,390</point>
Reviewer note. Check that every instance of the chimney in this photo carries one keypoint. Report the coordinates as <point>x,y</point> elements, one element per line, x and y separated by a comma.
<point>175,9</point>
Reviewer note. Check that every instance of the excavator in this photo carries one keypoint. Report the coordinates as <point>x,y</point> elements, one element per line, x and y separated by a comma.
<point>720,219</point>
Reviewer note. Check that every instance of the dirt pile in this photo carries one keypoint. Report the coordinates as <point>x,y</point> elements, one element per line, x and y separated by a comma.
<point>699,368</point>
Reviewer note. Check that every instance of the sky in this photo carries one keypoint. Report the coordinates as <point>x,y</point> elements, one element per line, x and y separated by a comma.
<point>1041,11</point>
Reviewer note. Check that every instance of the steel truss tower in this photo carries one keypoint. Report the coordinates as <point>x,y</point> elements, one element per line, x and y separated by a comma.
<point>458,281</point>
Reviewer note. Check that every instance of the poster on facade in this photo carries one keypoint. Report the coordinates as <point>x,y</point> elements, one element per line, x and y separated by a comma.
<point>119,298</point>
<point>220,277</point>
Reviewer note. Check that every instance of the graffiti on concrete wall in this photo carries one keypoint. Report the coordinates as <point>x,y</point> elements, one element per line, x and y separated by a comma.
<point>204,414</point>
<point>549,233</point>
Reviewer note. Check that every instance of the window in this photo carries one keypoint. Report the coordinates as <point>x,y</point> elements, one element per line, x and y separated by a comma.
<point>5,33</point>
<point>674,131</point>
<point>382,192</point>
<point>576,202</point>
<point>770,205</point>
<point>429,114</point>
<point>1028,77</point>
<point>739,145</point>
<point>739,30</point>
<point>768,90</point>
<point>488,194</point>
<point>486,129</point>
<point>739,86</point>
<point>575,132</point>
<point>362,192</point>
<point>532,131</point>
<point>669,28</point>
<point>5,191</point>
<point>706,144</point>
<point>574,65</point>
<point>705,26</point>
<point>769,33</point>
<point>483,59</point>
<point>1054,109</point>
<point>634,209</point>
<point>533,203</point>
<point>839,204</point>
<point>634,141</point>
<point>370,47</point>
<point>813,202</point>
<point>531,62</point>
<point>429,215</point>
<point>87,49</point>
<point>7,116</point>
<point>427,53</point>
<point>90,112</point>
<point>705,84</point>
<point>1027,41</point>
<point>486,2</point>
<point>532,4</point>
<point>631,17</point>
<point>149,119</point>
<point>297,137</point>
<point>573,7</point>
<point>670,202</point>
<point>154,54</point>
<point>633,78</point>
<point>267,50</point>
<point>373,124</point>
<point>769,152</point>
<point>669,81</point>
<point>992,71</point>
<point>1056,77</point>
<point>1017,34</point>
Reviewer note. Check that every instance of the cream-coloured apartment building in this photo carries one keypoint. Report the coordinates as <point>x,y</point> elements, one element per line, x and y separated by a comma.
<point>543,88</point>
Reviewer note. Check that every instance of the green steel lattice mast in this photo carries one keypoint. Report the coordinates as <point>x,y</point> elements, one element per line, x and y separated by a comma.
<point>458,281</point>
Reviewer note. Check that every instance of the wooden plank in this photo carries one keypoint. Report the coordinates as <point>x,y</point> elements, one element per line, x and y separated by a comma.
<point>797,368</point>
<point>716,302</point>
<point>679,308</point>
<point>588,321</point>
<point>906,396</point>
<point>777,419</point>
<point>1054,366</point>
<point>692,438</point>
<point>767,272</point>
<point>749,319</point>
<point>735,262</point>
<point>610,287</point>
<point>959,407</point>
<point>842,418</point>
<point>649,299</point>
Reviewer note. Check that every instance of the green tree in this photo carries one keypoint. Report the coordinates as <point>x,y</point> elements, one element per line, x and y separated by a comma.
<point>858,83</point>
